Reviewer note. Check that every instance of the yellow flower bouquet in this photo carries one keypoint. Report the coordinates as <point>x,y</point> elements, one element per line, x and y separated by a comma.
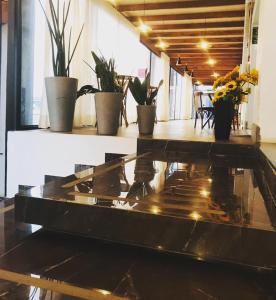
<point>230,90</point>
<point>235,86</point>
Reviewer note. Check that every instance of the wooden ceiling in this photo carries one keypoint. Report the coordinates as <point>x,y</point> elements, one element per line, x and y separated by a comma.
<point>182,24</point>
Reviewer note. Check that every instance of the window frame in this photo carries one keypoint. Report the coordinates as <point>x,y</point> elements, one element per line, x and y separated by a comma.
<point>14,101</point>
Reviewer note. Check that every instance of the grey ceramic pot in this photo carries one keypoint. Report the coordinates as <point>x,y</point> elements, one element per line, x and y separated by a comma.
<point>108,107</point>
<point>61,98</point>
<point>146,118</point>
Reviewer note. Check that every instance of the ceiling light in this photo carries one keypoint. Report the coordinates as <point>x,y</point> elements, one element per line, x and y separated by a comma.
<point>204,193</point>
<point>162,45</point>
<point>178,63</point>
<point>155,210</point>
<point>215,74</point>
<point>144,28</point>
<point>211,61</point>
<point>205,45</point>
<point>198,82</point>
<point>195,215</point>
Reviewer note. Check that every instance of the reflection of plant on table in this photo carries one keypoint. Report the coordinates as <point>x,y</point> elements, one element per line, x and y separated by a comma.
<point>144,174</point>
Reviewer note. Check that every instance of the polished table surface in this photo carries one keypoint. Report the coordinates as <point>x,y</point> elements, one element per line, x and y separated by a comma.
<point>96,269</point>
<point>215,209</point>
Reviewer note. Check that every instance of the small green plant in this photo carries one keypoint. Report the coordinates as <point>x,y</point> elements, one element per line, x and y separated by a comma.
<point>143,92</point>
<point>61,59</point>
<point>107,78</point>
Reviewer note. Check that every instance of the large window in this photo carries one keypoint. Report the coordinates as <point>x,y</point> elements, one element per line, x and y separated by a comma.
<point>105,31</point>
<point>176,95</point>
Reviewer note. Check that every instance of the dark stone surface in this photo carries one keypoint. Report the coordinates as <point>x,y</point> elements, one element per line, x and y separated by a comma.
<point>209,207</point>
<point>223,148</point>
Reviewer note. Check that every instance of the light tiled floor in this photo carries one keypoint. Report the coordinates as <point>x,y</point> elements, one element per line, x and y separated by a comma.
<point>172,130</point>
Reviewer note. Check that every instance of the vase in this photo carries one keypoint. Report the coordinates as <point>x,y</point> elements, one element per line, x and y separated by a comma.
<point>108,108</point>
<point>224,113</point>
<point>146,118</point>
<point>61,98</point>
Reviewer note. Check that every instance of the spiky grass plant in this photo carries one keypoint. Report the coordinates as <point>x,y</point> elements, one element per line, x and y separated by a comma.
<point>143,92</point>
<point>107,78</point>
<point>61,58</point>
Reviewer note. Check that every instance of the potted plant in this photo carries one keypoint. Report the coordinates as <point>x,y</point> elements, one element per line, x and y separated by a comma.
<point>61,89</point>
<point>108,95</point>
<point>145,95</point>
<point>231,90</point>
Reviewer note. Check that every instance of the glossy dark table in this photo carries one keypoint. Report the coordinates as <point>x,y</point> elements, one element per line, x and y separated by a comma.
<point>96,269</point>
<point>212,208</point>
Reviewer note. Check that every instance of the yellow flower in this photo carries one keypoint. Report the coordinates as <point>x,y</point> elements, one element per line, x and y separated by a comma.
<point>231,86</point>
<point>219,95</point>
<point>217,83</point>
<point>254,74</point>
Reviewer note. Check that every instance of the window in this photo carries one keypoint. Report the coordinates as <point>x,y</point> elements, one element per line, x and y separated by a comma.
<point>105,31</point>
<point>176,97</point>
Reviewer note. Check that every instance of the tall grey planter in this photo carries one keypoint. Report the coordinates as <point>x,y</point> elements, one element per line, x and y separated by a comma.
<point>61,97</point>
<point>146,118</point>
<point>108,107</point>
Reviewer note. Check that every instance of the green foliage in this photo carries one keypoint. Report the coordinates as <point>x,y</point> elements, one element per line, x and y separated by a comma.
<point>142,92</point>
<point>106,74</point>
<point>61,62</point>
<point>107,77</point>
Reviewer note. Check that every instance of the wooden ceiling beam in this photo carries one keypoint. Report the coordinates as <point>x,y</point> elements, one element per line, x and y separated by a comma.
<point>211,51</point>
<point>150,45</point>
<point>197,34</point>
<point>188,16</point>
<point>178,5</point>
<point>198,25</point>
<point>204,67</point>
<point>214,46</point>
<point>197,40</point>
<point>197,56</point>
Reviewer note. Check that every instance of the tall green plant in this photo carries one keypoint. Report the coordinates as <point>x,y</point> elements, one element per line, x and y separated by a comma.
<point>142,92</point>
<point>107,77</point>
<point>61,58</point>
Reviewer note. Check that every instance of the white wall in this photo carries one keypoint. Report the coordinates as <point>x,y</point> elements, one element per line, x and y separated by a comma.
<point>33,154</point>
<point>3,72</point>
<point>266,63</point>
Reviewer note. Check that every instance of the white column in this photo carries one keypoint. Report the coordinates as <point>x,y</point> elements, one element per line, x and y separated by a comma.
<point>266,63</point>
<point>163,108</point>
<point>187,97</point>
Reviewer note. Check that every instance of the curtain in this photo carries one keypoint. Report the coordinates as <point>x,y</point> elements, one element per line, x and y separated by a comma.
<point>106,32</point>
<point>187,97</point>
<point>163,105</point>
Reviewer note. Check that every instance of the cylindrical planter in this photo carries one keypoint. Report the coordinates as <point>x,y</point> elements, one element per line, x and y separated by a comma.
<point>61,98</point>
<point>108,107</point>
<point>224,113</point>
<point>146,118</point>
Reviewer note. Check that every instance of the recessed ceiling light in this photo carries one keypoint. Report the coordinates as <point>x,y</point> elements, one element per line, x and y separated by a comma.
<point>162,45</point>
<point>144,28</point>
<point>211,61</point>
<point>203,44</point>
<point>215,75</point>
